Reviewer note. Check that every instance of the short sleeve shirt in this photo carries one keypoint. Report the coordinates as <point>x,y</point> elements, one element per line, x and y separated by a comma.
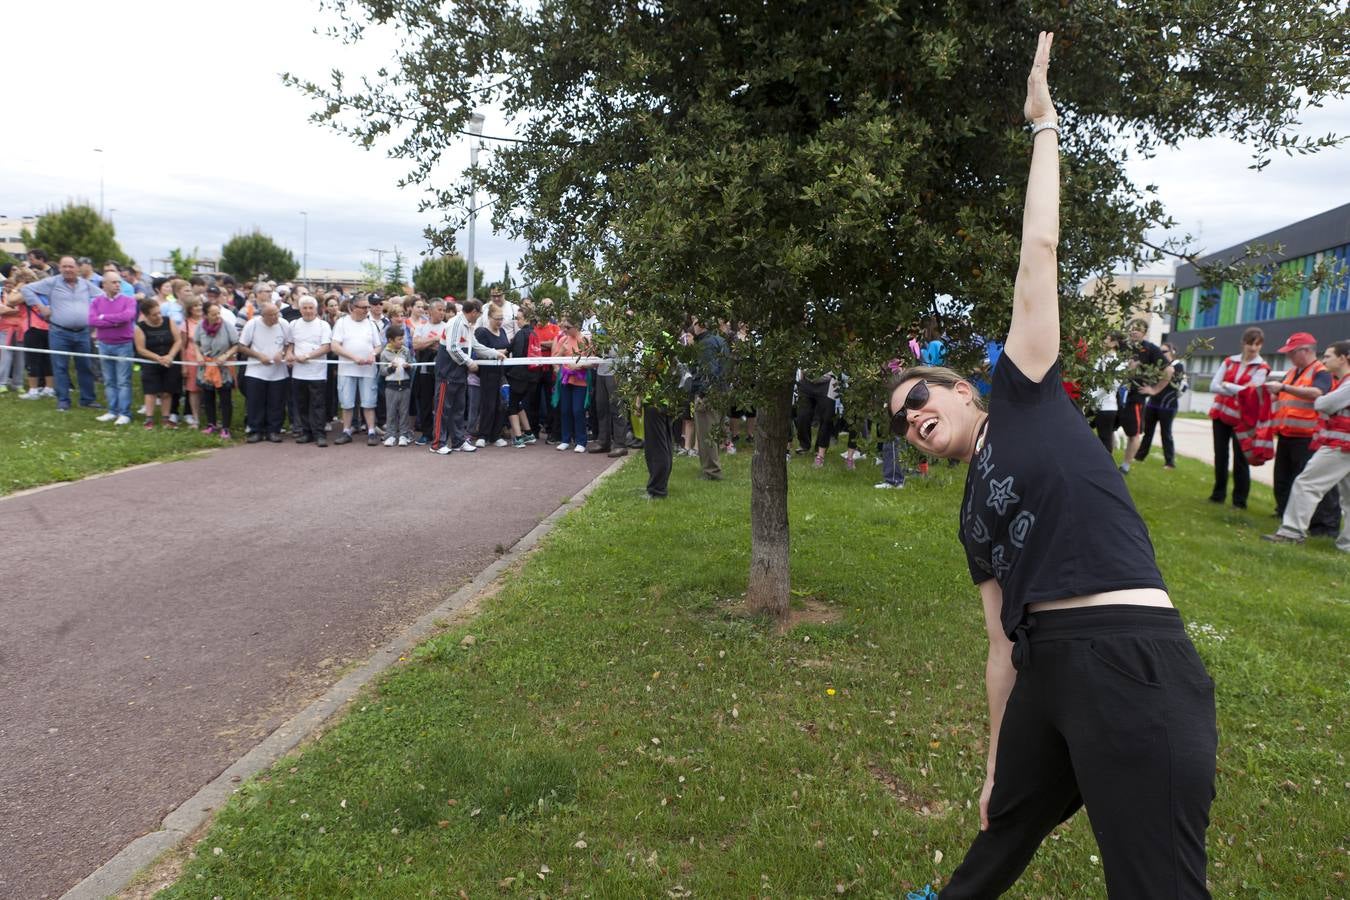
<point>361,339</point>
<point>268,340</point>
<point>1045,510</point>
<point>1151,361</point>
<point>308,337</point>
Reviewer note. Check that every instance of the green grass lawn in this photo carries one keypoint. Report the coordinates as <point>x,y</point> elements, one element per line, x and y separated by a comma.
<point>41,446</point>
<point>617,729</point>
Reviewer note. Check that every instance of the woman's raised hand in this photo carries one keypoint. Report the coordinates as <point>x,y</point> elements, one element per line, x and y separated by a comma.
<point>1039,107</point>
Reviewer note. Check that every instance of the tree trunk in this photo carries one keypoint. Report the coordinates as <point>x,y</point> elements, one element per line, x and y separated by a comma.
<point>769,586</point>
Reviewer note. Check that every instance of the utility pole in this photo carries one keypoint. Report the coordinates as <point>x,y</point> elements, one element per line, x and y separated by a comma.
<point>304,257</point>
<point>379,259</point>
<point>476,126</point>
<point>99,151</point>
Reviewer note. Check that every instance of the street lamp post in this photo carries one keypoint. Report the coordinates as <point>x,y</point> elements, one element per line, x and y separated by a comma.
<point>304,254</point>
<point>476,127</point>
<point>379,259</point>
<point>99,151</point>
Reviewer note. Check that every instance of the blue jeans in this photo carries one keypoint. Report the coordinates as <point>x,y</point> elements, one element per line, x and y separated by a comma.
<point>572,406</point>
<point>117,376</point>
<point>892,470</point>
<point>75,342</point>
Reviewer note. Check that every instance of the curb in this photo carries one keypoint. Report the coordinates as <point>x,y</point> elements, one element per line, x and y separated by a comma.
<point>116,874</point>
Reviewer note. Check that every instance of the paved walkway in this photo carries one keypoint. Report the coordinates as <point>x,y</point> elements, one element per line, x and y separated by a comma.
<point>159,622</point>
<point>1195,439</point>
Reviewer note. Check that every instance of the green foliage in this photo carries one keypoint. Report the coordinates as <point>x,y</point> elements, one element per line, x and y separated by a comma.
<point>371,277</point>
<point>446,276</point>
<point>757,770</point>
<point>183,265</point>
<point>247,256</point>
<point>75,230</point>
<point>396,278</point>
<point>555,290</point>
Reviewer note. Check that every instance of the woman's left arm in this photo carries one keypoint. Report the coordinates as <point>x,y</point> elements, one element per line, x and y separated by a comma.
<point>1033,338</point>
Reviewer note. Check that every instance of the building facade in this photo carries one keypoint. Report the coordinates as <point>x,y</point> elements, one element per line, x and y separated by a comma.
<point>11,244</point>
<point>1221,314</point>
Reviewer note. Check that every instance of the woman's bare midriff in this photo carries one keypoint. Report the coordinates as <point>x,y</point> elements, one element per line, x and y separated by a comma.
<point>1132,597</point>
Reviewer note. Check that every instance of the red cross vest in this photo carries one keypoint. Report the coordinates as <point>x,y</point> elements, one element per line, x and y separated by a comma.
<point>1225,408</point>
<point>1335,428</point>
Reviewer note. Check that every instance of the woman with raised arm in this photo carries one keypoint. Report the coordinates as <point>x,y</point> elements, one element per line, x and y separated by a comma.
<point>1096,696</point>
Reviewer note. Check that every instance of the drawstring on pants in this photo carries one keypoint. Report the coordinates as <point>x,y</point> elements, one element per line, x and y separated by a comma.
<point>1021,651</point>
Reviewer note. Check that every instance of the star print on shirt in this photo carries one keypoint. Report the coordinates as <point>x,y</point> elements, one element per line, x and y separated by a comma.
<point>1001,494</point>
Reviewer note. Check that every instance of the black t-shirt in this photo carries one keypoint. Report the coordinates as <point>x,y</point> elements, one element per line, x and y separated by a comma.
<point>1151,360</point>
<point>498,341</point>
<point>1170,396</point>
<point>1045,510</point>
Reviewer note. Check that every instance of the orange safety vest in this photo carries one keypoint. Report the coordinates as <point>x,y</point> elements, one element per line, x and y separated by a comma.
<point>1294,416</point>
<point>1226,408</point>
<point>1335,430</point>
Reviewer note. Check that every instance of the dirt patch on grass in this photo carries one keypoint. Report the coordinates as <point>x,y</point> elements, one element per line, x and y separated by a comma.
<point>804,611</point>
<point>915,800</point>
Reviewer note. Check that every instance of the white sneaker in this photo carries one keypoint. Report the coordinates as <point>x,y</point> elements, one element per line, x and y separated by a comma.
<point>499,442</point>
<point>887,486</point>
<point>106,417</point>
<point>390,441</point>
<point>31,394</point>
<point>444,451</point>
<point>466,447</point>
<point>49,392</point>
<point>403,442</point>
<point>480,443</point>
<point>564,446</point>
<point>579,448</point>
<point>122,420</point>
<point>191,420</point>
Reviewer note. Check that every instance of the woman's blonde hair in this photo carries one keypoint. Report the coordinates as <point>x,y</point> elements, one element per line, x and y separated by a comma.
<point>939,375</point>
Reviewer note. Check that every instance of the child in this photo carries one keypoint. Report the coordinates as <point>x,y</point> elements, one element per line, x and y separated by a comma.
<point>395,361</point>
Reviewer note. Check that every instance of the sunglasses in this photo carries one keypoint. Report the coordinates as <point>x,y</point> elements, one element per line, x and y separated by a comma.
<point>916,399</point>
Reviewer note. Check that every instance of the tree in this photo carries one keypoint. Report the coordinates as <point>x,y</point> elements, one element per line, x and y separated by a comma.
<point>247,256</point>
<point>821,172</point>
<point>445,276</point>
<point>396,278</point>
<point>553,289</point>
<point>183,265</point>
<point>75,230</point>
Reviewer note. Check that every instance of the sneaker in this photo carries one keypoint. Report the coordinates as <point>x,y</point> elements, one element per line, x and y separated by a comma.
<point>730,448</point>
<point>927,893</point>
<point>597,447</point>
<point>149,424</point>
<point>1278,538</point>
<point>519,443</point>
<point>321,441</point>
<point>191,420</point>
<point>579,448</point>
<point>403,442</point>
<point>390,441</point>
<point>1168,466</point>
<point>122,420</point>
<point>209,429</point>
<point>423,441</point>
<point>818,462</point>
<point>173,418</point>
<point>379,430</point>
<point>344,438</point>
<point>31,394</point>
<point>254,437</point>
<point>617,452</point>
<point>372,439</point>
<point>480,443</point>
<point>60,408</point>
<point>172,426</point>
<point>443,451</point>
<point>106,417</point>
<point>48,392</point>
<point>550,440</point>
<point>530,439</point>
<point>466,447</point>
<point>887,486</point>
<point>1124,468</point>
<point>304,439</point>
<point>274,438</point>
<point>850,464</point>
<point>564,446</point>
<point>225,434</point>
<point>499,442</point>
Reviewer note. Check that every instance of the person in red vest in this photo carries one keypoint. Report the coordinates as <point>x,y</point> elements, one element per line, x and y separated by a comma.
<point>1328,470</point>
<point>1239,372</point>
<point>1296,423</point>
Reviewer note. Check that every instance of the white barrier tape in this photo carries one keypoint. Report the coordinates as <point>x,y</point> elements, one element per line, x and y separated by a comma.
<point>524,361</point>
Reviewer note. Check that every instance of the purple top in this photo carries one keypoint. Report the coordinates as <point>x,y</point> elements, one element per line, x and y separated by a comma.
<point>113,318</point>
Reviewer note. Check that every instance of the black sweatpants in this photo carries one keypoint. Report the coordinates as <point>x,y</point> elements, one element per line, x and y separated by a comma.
<point>1291,455</point>
<point>265,405</point>
<point>491,410</point>
<point>310,400</point>
<point>225,394</point>
<point>1155,418</point>
<point>814,407</point>
<point>1224,438</point>
<point>1105,423</point>
<point>1113,710</point>
<point>658,450</point>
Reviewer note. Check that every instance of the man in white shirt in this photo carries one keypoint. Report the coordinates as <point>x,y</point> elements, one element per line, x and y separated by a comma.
<point>264,342</point>
<point>356,341</point>
<point>308,357</point>
<point>498,296</point>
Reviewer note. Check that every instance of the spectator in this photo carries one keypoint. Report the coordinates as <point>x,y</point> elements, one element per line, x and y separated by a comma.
<point>264,342</point>
<point>1160,411</point>
<point>311,339</point>
<point>1240,372</point>
<point>1105,400</point>
<point>708,373</point>
<point>170,306</point>
<point>1296,422</point>
<point>35,337</point>
<point>1328,469</point>
<point>1151,374</point>
<point>611,430</point>
<point>217,344</point>
<point>454,362</point>
<point>396,362</point>
<point>491,410</point>
<point>13,325</point>
<point>158,341</point>
<point>62,301</point>
<point>192,321</point>
<point>546,331</point>
<point>356,341</point>
<point>426,338</point>
<point>38,263</point>
<point>572,384</point>
<point>113,314</point>
<point>816,394</point>
<point>522,382</point>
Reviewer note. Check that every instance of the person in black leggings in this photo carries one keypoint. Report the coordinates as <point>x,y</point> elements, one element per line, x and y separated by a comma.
<point>1096,696</point>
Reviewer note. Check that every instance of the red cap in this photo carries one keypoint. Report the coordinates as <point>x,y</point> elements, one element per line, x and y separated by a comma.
<point>1296,340</point>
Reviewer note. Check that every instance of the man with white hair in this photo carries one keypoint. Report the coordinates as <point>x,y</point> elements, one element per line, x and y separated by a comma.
<point>264,342</point>
<point>308,356</point>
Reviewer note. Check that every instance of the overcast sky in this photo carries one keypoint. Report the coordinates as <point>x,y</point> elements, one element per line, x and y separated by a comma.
<point>201,141</point>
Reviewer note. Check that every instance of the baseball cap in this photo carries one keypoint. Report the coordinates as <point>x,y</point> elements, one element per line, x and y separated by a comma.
<point>213,290</point>
<point>375,298</point>
<point>1296,340</point>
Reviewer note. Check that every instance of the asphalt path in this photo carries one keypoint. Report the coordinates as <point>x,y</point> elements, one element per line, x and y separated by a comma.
<point>157,623</point>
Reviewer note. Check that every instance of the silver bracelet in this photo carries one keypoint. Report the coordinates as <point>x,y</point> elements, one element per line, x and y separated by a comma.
<point>1038,127</point>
